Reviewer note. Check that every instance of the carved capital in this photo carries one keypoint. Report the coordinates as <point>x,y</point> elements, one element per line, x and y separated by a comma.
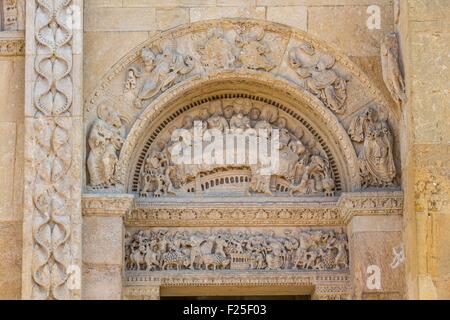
<point>370,203</point>
<point>12,44</point>
<point>107,205</point>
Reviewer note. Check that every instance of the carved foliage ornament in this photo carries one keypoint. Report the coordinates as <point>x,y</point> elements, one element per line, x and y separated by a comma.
<point>296,249</point>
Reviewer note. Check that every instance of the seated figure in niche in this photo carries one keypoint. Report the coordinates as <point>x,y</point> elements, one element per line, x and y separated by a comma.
<point>105,141</point>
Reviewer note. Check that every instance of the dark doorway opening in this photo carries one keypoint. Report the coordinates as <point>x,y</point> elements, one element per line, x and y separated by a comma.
<point>239,298</point>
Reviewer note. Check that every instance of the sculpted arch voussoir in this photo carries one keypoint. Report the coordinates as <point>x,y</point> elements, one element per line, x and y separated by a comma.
<point>183,30</point>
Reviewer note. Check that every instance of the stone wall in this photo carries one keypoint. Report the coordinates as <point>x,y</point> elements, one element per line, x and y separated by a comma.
<point>11,162</point>
<point>424,28</point>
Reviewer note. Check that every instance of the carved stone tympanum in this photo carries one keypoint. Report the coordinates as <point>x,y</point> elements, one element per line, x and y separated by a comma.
<point>296,249</point>
<point>297,166</point>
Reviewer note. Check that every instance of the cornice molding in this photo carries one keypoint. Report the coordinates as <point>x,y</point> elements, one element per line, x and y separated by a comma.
<point>260,212</point>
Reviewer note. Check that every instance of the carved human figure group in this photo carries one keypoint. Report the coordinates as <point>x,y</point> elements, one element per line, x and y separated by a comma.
<point>296,249</point>
<point>302,168</point>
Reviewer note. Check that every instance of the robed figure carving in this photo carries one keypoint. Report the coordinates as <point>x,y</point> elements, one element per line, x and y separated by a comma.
<point>376,157</point>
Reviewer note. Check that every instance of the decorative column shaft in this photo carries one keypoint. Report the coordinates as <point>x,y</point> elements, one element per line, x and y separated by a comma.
<point>53,152</point>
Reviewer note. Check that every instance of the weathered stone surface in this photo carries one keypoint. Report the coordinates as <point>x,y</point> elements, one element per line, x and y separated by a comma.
<point>100,131</point>
<point>10,260</point>
<point>102,282</point>
<point>346,28</point>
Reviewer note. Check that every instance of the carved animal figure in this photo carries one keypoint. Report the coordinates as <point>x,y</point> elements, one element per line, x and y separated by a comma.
<point>215,261</point>
<point>166,250</point>
<point>175,260</point>
<point>274,262</point>
<point>137,258</point>
<point>151,258</point>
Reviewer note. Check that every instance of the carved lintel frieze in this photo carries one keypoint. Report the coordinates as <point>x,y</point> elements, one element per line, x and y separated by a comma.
<point>107,205</point>
<point>320,212</point>
<point>331,291</point>
<point>315,214</point>
<point>268,249</point>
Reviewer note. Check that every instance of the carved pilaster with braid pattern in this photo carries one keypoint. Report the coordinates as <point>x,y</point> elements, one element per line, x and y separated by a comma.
<point>53,178</point>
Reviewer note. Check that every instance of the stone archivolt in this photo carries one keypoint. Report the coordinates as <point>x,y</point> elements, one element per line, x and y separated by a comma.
<point>154,250</point>
<point>237,47</point>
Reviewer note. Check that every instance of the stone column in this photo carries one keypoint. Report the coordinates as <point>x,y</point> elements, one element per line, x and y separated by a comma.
<point>53,153</point>
<point>103,234</point>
